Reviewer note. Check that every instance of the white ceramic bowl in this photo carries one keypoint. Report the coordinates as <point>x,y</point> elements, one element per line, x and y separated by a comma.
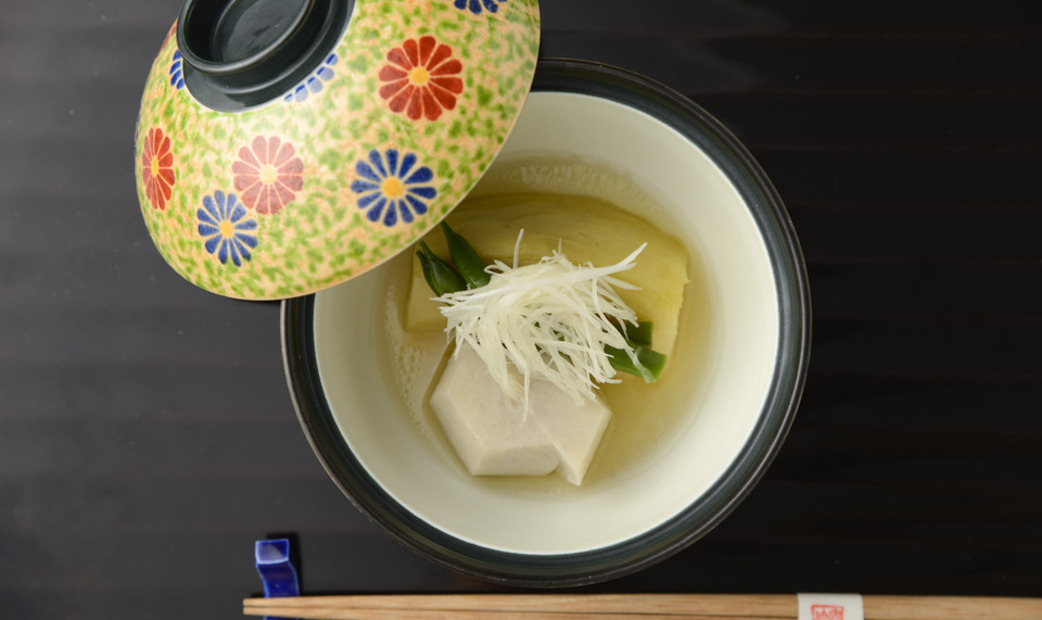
<point>743,389</point>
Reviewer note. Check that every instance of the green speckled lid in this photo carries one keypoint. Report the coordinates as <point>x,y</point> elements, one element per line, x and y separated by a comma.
<point>357,154</point>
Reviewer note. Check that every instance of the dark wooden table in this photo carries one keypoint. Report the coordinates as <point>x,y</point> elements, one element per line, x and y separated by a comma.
<point>147,437</point>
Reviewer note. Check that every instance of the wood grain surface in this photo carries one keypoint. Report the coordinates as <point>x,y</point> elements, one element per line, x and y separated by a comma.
<point>146,433</point>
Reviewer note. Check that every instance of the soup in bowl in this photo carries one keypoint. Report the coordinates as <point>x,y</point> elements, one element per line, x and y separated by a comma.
<point>678,454</point>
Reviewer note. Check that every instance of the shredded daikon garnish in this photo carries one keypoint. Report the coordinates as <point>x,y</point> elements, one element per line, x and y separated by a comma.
<point>550,320</point>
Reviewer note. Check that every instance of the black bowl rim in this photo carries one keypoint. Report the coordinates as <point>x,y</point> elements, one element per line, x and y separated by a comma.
<point>702,515</point>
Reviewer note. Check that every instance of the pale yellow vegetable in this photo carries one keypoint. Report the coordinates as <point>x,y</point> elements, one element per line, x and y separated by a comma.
<point>586,231</point>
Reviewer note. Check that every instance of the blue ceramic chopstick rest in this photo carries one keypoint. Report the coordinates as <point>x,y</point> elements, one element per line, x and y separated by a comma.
<point>275,568</point>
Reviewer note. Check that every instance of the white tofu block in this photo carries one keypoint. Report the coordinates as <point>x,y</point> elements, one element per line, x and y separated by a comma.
<point>575,430</point>
<point>492,435</point>
<point>489,431</point>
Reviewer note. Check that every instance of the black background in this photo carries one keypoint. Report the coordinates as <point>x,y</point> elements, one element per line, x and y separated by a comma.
<point>146,433</point>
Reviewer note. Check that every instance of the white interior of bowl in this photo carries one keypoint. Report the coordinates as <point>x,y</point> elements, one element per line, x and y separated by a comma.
<point>711,217</point>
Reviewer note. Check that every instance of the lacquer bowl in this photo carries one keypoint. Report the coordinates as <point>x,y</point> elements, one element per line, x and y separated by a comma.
<point>748,320</point>
<point>285,146</point>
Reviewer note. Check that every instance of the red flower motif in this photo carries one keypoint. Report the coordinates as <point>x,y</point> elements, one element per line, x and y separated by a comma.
<point>267,174</point>
<point>157,168</point>
<point>421,78</point>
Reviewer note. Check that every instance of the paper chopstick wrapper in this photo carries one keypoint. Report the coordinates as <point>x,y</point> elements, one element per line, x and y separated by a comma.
<point>830,606</point>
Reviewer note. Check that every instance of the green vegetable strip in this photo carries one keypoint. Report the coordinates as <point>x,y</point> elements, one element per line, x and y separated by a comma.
<point>440,276</point>
<point>640,334</point>
<point>651,362</point>
<point>466,259</point>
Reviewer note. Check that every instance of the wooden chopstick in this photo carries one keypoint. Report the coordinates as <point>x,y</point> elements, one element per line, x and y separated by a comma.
<point>626,606</point>
<point>456,614</point>
<point>527,605</point>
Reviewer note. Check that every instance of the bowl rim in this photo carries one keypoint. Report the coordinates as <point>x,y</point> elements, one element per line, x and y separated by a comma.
<point>699,517</point>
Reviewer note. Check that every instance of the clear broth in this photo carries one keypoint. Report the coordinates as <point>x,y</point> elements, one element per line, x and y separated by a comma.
<point>644,416</point>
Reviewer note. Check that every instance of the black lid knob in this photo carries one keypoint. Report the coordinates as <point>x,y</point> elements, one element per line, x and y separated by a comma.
<point>243,53</point>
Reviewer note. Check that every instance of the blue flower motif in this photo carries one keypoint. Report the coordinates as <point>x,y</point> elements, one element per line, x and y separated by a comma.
<point>313,83</point>
<point>225,229</point>
<point>475,5</point>
<point>177,74</point>
<point>391,188</point>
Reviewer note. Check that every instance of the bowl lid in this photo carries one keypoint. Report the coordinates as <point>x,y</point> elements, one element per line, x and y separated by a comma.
<point>286,146</point>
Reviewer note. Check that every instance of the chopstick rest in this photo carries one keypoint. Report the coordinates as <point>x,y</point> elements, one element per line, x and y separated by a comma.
<point>276,570</point>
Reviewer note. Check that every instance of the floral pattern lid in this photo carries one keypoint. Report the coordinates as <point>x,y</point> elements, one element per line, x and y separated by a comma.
<point>346,168</point>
